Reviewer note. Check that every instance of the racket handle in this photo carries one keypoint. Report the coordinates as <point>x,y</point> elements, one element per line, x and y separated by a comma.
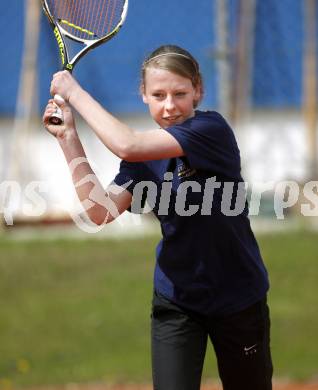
<point>57,117</point>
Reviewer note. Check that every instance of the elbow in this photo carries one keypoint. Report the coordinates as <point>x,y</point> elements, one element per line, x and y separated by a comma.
<point>100,222</point>
<point>125,152</point>
<point>100,217</point>
<point>128,150</point>
<point>97,221</point>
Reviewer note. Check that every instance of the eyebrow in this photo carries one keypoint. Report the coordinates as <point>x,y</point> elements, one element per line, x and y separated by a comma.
<point>178,88</point>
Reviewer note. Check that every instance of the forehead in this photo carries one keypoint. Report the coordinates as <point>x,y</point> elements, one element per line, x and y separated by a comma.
<point>157,78</point>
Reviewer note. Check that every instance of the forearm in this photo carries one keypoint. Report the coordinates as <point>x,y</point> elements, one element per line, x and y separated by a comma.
<point>120,139</point>
<point>115,135</point>
<point>88,188</point>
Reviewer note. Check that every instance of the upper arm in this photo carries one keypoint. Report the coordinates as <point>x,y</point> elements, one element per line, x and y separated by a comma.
<point>152,145</point>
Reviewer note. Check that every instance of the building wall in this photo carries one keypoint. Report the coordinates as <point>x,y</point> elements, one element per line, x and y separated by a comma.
<point>111,72</point>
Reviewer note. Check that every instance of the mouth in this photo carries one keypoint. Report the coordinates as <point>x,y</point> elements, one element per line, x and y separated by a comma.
<point>172,119</point>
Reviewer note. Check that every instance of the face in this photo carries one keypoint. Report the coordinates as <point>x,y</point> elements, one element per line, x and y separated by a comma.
<point>170,97</point>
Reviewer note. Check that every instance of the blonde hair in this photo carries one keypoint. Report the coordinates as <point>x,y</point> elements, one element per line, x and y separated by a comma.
<point>176,60</point>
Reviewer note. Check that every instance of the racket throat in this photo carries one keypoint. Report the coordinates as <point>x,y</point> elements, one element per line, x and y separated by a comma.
<point>73,49</point>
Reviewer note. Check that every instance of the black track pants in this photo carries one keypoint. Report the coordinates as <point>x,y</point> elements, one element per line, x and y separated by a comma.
<point>241,343</point>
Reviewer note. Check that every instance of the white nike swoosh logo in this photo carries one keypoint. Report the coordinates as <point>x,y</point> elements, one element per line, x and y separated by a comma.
<point>248,348</point>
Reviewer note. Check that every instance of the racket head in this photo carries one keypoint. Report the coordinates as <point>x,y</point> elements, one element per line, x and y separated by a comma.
<point>90,22</point>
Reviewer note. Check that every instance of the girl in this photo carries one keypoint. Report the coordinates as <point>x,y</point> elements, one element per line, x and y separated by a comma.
<point>209,280</point>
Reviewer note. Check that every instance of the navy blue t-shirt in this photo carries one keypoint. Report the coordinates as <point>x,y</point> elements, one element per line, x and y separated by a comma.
<point>208,259</point>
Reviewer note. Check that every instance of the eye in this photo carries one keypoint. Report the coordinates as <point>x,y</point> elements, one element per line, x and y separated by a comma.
<point>158,95</point>
<point>180,94</point>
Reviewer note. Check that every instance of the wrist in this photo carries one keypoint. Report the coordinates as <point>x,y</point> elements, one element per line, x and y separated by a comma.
<point>74,94</point>
<point>67,136</point>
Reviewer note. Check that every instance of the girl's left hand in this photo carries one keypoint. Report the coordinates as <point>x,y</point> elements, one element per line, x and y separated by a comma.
<point>68,125</point>
<point>64,84</point>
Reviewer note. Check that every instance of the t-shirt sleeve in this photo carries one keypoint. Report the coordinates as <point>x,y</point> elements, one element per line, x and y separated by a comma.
<point>209,145</point>
<point>129,175</point>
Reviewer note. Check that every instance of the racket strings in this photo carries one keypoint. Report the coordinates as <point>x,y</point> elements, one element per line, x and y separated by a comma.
<point>87,19</point>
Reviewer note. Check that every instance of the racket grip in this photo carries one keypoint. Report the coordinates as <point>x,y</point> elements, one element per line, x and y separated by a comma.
<point>57,117</point>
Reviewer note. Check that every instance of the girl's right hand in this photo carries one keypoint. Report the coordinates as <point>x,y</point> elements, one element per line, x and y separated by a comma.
<point>68,125</point>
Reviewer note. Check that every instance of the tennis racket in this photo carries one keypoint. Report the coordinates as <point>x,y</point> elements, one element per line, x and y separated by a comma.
<point>84,24</point>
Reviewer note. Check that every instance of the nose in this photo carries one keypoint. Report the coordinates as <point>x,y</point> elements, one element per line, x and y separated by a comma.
<point>169,103</point>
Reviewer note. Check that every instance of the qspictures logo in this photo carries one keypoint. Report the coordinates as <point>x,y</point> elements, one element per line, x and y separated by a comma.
<point>231,198</point>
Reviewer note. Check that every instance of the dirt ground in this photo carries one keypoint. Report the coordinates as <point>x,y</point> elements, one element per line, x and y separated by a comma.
<point>276,386</point>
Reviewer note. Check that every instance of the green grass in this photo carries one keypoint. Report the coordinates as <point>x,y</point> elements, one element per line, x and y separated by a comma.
<point>78,311</point>
<point>292,261</point>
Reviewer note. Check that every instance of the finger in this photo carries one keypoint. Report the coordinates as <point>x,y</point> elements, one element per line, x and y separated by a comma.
<point>57,74</point>
<point>46,119</point>
<point>50,111</point>
<point>52,89</point>
<point>61,73</point>
<point>50,107</point>
<point>58,100</point>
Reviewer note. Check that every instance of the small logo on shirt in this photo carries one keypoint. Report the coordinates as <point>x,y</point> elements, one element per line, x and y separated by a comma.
<point>185,171</point>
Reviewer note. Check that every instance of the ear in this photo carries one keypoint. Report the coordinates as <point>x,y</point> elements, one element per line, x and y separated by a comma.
<point>198,93</point>
<point>143,94</point>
